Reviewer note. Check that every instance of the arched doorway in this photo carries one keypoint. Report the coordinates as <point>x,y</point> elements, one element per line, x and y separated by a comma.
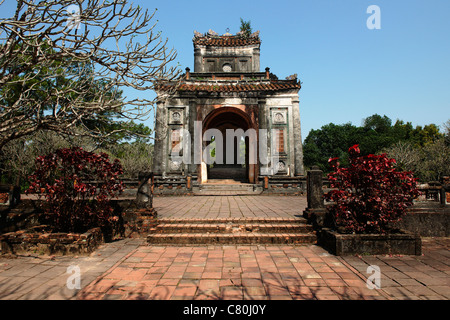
<point>226,143</point>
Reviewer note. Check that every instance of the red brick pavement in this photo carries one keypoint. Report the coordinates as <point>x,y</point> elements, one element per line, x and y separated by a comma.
<point>270,272</point>
<point>131,269</point>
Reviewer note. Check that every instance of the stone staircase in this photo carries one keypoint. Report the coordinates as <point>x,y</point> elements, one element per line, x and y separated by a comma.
<point>264,231</point>
<point>222,187</point>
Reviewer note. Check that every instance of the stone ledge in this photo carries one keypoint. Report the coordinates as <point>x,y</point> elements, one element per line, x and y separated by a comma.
<point>230,238</point>
<point>51,243</point>
<point>403,242</point>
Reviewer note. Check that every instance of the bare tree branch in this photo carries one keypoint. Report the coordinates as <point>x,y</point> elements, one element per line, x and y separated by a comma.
<point>63,65</point>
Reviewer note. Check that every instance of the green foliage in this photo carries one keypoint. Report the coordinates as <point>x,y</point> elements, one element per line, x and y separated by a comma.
<point>17,157</point>
<point>135,157</point>
<point>246,28</point>
<point>375,135</point>
<point>330,141</point>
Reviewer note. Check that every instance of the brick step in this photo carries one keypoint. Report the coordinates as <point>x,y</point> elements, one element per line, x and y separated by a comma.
<point>231,231</point>
<point>217,189</point>
<point>241,186</point>
<point>299,220</point>
<point>225,193</point>
<point>232,227</point>
<point>231,238</point>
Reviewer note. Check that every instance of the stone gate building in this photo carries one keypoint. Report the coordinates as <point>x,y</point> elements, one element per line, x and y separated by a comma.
<point>227,93</point>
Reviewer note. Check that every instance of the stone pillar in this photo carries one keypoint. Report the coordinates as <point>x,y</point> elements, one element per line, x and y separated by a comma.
<point>266,183</point>
<point>198,60</point>
<point>314,183</point>
<point>192,167</point>
<point>189,182</point>
<point>255,60</point>
<point>263,124</point>
<point>315,212</point>
<point>144,196</point>
<point>145,214</point>
<point>298,147</point>
<point>160,139</point>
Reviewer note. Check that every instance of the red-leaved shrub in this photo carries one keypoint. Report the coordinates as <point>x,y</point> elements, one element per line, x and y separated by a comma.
<point>370,194</point>
<point>77,187</point>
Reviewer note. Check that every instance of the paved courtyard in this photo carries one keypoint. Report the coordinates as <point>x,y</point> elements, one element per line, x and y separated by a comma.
<point>211,207</point>
<point>131,269</point>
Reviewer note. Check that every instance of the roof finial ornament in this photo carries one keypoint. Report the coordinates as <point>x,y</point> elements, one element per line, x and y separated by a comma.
<point>255,34</point>
<point>227,34</point>
<point>212,33</point>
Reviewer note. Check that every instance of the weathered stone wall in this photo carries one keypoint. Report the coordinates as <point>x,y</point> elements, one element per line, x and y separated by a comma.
<point>427,219</point>
<point>33,241</point>
<point>21,230</point>
<point>283,185</point>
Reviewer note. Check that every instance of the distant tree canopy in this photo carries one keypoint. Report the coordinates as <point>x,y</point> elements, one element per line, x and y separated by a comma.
<point>376,135</point>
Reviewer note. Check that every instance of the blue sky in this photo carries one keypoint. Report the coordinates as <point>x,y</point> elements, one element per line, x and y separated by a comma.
<point>348,71</point>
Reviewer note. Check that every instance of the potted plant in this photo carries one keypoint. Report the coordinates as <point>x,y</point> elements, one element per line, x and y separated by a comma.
<point>366,199</point>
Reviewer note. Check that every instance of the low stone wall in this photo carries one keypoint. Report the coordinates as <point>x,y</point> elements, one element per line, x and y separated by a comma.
<point>350,244</point>
<point>185,186</point>
<point>283,185</point>
<point>175,185</point>
<point>23,232</point>
<point>33,241</point>
<point>22,216</point>
<point>427,219</point>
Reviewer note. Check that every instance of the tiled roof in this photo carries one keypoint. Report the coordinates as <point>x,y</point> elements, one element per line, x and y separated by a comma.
<point>217,87</point>
<point>226,41</point>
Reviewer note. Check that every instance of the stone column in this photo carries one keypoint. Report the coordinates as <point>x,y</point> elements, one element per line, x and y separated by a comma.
<point>315,213</point>
<point>263,124</point>
<point>144,196</point>
<point>159,156</point>
<point>191,118</point>
<point>298,147</point>
<point>314,183</point>
<point>198,63</point>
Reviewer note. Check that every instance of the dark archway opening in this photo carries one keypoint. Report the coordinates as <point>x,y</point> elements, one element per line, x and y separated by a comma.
<point>232,161</point>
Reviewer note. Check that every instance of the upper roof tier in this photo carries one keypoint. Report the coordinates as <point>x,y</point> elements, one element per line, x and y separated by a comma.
<point>227,40</point>
<point>226,53</point>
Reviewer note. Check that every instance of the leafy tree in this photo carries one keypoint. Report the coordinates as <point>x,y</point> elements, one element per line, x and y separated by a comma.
<point>402,131</point>
<point>375,135</point>
<point>135,157</point>
<point>377,123</point>
<point>330,141</point>
<point>17,161</point>
<point>447,132</point>
<point>426,135</point>
<point>246,28</point>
